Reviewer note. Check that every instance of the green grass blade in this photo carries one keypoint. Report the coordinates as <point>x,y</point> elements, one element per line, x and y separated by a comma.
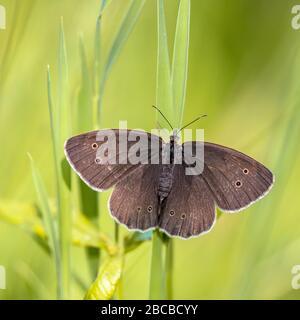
<point>90,208</point>
<point>169,268</point>
<point>63,109</point>
<point>104,5</point>
<point>66,173</point>
<point>84,109</point>
<point>62,194</point>
<point>157,276</point>
<point>180,60</point>
<point>106,283</point>
<point>122,35</point>
<point>164,102</point>
<point>97,61</point>
<point>42,198</point>
<point>164,99</point>
<point>178,86</point>
<point>88,198</point>
<point>64,125</point>
<point>54,131</point>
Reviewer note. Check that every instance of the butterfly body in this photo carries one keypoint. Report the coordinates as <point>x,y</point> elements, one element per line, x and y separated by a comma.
<point>166,171</point>
<point>165,181</point>
<point>163,195</point>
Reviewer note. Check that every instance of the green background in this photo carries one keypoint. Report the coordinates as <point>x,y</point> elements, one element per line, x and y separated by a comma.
<point>243,72</point>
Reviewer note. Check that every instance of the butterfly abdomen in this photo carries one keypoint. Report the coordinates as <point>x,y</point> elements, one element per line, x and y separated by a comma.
<point>165,181</point>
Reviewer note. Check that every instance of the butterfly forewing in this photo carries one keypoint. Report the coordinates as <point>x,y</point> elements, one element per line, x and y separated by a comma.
<point>101,174</point>
<point>235,179</point>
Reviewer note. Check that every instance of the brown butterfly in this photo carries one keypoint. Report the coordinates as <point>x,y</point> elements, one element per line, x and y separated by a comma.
<point>163,196</point>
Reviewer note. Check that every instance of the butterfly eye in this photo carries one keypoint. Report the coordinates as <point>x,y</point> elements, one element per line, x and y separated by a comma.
<point>238,183</point>
<point>183,216</point>
<point>172,212</point>
<point>94,146</point>
<point>139,209</point>
<point>246,171</point>
<point>149,209</point>
<point>97,160</point>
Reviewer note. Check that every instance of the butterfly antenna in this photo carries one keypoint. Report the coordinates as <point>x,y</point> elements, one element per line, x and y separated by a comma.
<point>205,115</point>
<point>163,117</point>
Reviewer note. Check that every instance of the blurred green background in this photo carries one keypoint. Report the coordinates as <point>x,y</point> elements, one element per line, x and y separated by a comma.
<point>244,72</point>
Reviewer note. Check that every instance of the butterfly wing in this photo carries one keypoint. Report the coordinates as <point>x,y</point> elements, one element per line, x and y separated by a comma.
<point>189,209</point>
<point>235,179</point>
<point>100,174</point>
<point>134,201</point>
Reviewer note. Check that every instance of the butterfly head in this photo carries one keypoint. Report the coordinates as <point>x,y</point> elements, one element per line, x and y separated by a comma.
<point>174,138</point>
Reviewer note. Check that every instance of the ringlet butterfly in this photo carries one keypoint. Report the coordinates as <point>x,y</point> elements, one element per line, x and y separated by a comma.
<point>147,196</point>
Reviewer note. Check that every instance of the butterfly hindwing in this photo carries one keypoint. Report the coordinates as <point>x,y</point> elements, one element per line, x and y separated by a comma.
<point>189,209</point>
<point>134,200</point>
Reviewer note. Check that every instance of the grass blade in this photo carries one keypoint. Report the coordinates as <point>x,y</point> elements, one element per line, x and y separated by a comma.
<point>178,85</point>
<point>64,125</point>
<point>88,198</point>
<point>84,109</point>
<point>104,5</point>
<point>157,276</point>
<point>164,99</point>
<point>62,193</point>
<point>169,268</point>
<point>122,35</point>
<point>63,110</point>
<point>164,102</point>
<point>42,198</point>
<point>180,60</point>
<point>97,62</point>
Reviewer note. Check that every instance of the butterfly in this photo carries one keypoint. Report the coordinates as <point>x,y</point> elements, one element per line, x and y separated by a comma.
<point>162,195</point>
